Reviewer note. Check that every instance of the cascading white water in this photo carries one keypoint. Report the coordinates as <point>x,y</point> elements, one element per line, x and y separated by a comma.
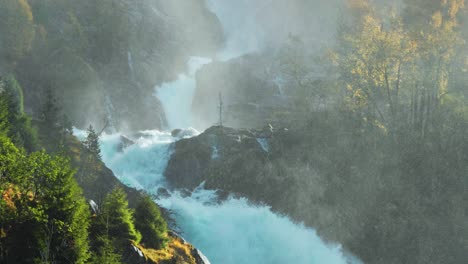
<point>230,232</point>
<point>233,231</point>
<point>242,36</point>
<point>176,97</point>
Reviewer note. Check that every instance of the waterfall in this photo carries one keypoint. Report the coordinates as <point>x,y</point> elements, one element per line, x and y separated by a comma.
<point>109,110</point>
<point>230,232</point>
<point>176,97</point>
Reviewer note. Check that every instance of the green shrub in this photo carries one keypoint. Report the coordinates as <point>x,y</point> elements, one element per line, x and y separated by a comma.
<point>150,223</point>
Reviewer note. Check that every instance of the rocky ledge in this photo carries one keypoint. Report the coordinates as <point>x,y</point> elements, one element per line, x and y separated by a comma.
<point>178,251</point>
<point>224,158</point>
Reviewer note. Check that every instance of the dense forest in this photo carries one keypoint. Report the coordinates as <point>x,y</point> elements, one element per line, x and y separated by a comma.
<point>44,216</point>
<point>92,53</point>
<point>372,150</point>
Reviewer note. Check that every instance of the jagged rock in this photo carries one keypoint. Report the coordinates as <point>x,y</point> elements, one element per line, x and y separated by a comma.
<point>138,251</point>
<point>125,142</point>
<point>134,255</point>
<point>94,206</point>
<point>117,81</point>
<point>163,193</point>
<point>176,132</point>
<point>193,160</point>
<point>183,133</point>
<point>199,257</point>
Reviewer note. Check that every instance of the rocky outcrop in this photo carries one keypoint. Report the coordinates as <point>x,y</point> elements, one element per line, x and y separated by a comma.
<point>103,60</point>
<point>242,153</point>
<point>178,251</point>
<point>283,168</point>
<point>248,92</point>
<point>134,255</point>
<point>124,143</point>
<point>353,189</point>
<point>182,133</point>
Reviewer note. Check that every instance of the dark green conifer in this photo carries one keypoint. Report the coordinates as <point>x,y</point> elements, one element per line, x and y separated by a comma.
<point>40,201</point>
<point>150,223</point>
<point>92,144</point>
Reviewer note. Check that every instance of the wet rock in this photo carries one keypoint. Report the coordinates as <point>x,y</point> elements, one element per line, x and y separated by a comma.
<point>193,161</point>
<point>176,132</point>
<point>199,257</point>
<point>125,142</point>
<point>184,133</point>
<point>185,193</point>
<point>163,193</point>
<point>134,255</point>
<point>94,207</point>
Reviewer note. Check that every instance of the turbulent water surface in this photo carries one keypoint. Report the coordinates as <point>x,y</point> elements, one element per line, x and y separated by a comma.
<point>233,231</point>
<point>176,97</point>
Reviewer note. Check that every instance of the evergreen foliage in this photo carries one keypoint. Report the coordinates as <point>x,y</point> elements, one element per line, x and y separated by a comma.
<point>115,223</point>
<point>149,222</point>
<point>90,159</point>
<point>106,254</point>
<point>4,124</point>
<point>50,111</point>
<point>91,144</point>
<point>15,123</point>
<point>389,146</point>
<point>41,201</point>
<point>55,126</point>
<point>17,30</point>
<point>120,219</point>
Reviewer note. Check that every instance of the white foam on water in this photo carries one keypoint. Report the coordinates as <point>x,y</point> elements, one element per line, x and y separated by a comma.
<point>229,232</point>
<point>176,97</point>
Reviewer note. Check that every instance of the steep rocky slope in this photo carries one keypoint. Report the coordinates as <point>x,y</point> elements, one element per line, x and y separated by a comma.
<point>248,92</point>
<point>356,190</point>
<point>103,60</point>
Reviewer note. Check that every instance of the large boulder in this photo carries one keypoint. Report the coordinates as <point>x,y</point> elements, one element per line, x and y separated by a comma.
<point>219,150</point>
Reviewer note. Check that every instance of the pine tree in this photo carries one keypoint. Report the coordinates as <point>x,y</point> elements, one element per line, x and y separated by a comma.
<point>14,122</point>
<point>92,144</point>
<point>41,201</point>
<point>150,223</point>
<point>50,111</point>
<point>91,158</point>
<point>106,253</point>
<point>4,124</point>
<point>49,127</point>
<point>119,218</point>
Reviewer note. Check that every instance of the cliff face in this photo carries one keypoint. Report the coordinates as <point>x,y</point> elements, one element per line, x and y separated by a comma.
<point>278,85</point>
<point>237,161</point>
<point>104,60</point>
<point>248,92</point>
<point>363,195</point>
<point>238,153</point>
<point>178,251</point>
<point>283,168</point>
